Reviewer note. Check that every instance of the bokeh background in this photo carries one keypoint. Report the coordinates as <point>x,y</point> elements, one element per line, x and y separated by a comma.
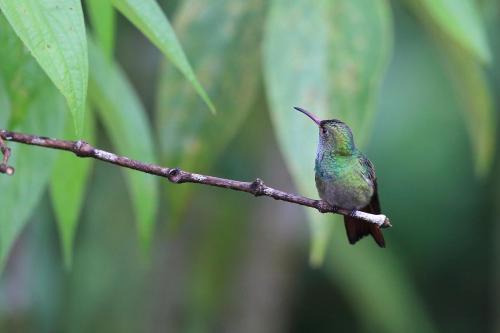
<point>418,82</point>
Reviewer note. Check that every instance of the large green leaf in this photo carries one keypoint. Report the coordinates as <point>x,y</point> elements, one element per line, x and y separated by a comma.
<point>461,21</point>
<point>54,32</point>
<point>20,73</point>
<point>68,185</point>
<point>127,126</point>
<point>223,37</point>
<point>330,60</point>
<point>23,190</point>
<point>38,108</point>
<point>103,18</point>
<point>148,17</point>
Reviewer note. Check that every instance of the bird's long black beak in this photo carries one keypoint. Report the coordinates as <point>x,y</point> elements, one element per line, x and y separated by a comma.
<point>309,114</point>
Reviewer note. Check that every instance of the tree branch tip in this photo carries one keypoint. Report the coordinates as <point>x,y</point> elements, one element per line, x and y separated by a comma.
<point>386,224</point>
<point>8,170</point>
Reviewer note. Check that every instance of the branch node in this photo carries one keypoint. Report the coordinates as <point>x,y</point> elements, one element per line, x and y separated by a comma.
<point>174,175</point>
<point>324,207</point>
<point>5,150</point>
<point>257,187</point>
<point>82,149</point>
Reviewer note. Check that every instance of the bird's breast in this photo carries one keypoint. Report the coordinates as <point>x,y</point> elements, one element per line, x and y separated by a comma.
<point>341,182</point>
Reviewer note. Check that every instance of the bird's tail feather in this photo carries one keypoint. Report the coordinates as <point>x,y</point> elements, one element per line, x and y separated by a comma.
<point>357,229</point>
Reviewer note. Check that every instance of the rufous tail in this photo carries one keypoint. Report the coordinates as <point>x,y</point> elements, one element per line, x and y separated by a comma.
<point>357,229</point>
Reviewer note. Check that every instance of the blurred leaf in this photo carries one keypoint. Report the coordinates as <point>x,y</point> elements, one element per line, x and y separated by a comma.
<point>54,32</point>
<point>218,250</point>
<point>4,105</point>
<point>38,108</point>
<point>461,21</point>
<point>68,185</point>
<point>103,19</point>
<point>331,61</point>
<point>472,87</point>
<point>126,123</point>
<point>224,37</point>
<point>375,283</point>
<point>23,190</point>
<point>418,104</point>
<point>148,17</point>
<point>16,66</point>
<point>108,271</point>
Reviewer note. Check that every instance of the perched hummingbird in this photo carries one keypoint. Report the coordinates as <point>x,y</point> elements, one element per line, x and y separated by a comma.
<point>345,177</point>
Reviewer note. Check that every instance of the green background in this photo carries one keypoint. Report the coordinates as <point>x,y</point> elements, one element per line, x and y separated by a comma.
<point>86,247</point>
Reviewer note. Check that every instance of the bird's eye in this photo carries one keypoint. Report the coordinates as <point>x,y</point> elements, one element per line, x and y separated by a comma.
<point>323,130</point>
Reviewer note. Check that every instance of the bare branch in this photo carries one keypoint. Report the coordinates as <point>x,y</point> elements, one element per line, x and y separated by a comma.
<point>175,175</point>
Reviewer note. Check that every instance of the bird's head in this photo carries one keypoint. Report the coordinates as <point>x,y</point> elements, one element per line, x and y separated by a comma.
<point>334,135</point>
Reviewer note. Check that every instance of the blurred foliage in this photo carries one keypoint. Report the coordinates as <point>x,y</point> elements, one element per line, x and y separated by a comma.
<point>416,80</point>
<point>68,188</point>
<point>126,123</point>
<point>194,139</point>
<point>103,19</point>
<point>43,27</point>
<point>464,50</point>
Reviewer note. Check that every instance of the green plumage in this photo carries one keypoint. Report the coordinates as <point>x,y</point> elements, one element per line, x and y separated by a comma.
<point>344,181</point>
<point>345,177</point>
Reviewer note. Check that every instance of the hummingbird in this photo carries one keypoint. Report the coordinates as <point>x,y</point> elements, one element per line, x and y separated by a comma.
<point>345,177</point>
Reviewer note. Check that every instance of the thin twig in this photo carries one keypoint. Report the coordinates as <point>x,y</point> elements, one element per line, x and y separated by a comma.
<point>175,175</point>
<point>4,167</point>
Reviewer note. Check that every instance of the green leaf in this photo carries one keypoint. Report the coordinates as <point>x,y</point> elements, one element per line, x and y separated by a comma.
<point>68,185</point>
<point>103,19</point>
<point>4,105</point>
<point>38,108</point>
<point>126,123</point>
<point>54,32</point>
<point>330,61</point>
<point>473,89</point>
<point>224,38</point>
<point>461,21</point>
<point>370,278</point>
<point>20,73</point>
<point>23,190</point>
<point>148,17</point>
